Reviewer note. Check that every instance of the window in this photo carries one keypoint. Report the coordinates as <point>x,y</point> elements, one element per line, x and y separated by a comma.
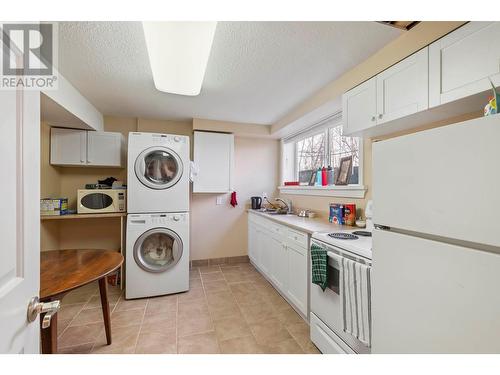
<point>321,146</point>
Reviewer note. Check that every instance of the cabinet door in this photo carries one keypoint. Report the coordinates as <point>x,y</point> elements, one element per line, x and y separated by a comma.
<point>461,62</point>
<point>359,107</point>
<point>252,243</point>
<point>297,277</point>
<point>265,251</point>
<point>68,146</point>
<point>279,270</point>
<point>403,89</point>
<point>104,149</point>
<point>213,155</point>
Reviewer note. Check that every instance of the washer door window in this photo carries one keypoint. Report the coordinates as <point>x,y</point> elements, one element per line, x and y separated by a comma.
<point>158,168</point>
<point>157,250</point>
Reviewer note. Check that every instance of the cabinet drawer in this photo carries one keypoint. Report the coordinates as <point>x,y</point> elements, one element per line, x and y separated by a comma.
<point>297,238</point>
<point>324,338</point>
<point>275,228</point>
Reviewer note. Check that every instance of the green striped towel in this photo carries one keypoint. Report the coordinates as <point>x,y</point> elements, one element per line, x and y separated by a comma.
<point>319,263</point>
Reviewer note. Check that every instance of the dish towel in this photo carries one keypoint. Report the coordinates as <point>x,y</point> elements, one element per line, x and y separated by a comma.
<point>319,264</point>
<point>355,289</point>
<point>234,201</point>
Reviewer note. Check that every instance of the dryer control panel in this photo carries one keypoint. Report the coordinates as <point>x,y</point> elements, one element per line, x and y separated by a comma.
<point>160,219</point>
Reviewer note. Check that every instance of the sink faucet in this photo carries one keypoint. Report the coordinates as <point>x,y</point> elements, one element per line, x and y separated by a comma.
<point>288,205</point>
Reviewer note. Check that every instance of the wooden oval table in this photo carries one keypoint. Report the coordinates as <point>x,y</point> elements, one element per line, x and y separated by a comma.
<point>61,271</point>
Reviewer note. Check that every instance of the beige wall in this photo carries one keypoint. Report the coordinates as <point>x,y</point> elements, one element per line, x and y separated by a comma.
<point>221,231</point>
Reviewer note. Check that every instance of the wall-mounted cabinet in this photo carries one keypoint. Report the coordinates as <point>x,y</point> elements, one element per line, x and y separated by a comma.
<point>214,159</point>
<point>449,78</point>
<point>395,93</point>
<point>81,148</point>
<point>461,62</point>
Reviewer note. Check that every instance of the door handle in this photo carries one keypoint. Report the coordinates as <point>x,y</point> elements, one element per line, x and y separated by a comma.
<point>36,307</point>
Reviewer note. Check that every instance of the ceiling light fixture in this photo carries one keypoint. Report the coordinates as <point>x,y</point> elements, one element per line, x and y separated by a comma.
<point>178,54</point>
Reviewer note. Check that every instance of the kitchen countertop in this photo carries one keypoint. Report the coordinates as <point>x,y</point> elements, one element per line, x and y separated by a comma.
<point>308,225</point>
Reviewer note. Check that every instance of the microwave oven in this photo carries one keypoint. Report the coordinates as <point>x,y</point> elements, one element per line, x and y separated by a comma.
<point>97,201</point>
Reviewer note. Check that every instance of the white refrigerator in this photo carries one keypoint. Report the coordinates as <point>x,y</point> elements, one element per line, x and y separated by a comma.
<point>436,262</point>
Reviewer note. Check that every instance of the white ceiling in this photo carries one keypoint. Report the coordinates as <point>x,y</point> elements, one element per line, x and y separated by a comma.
<point>257,71</point>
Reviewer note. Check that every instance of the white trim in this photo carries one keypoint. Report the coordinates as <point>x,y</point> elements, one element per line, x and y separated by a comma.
<point>347,191</point>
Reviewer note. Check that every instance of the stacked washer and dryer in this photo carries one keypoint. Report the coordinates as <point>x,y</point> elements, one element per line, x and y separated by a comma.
<point>157,254</point>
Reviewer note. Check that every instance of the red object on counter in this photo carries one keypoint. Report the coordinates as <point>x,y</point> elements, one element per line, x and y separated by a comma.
<point>291,183</point>
<point>234,202</point>
<point>350,214</point>
<point>324,177</point>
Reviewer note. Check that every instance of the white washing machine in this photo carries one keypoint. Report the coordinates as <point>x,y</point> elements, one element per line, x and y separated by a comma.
<point>157,255</point>
<point>158,173</point>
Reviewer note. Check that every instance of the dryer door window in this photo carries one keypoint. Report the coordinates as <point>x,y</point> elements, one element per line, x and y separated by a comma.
<point>157,250</point>
<point>158,168</point>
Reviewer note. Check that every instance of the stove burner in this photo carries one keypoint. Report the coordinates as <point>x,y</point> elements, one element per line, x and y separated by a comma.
<point>363,233</point>
<point>343,236</point>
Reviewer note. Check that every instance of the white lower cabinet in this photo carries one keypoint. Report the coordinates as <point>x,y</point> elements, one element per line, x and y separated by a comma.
<point>281,255</point>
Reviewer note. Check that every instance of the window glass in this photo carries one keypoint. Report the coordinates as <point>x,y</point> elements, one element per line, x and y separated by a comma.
<point>310,156</point>
<point>340,147</point>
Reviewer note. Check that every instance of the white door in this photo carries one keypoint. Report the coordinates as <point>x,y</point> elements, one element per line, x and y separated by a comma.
<point>19,219</point>
<point>461,62</point>
<point>297,277</point>
<point>68,146</point>
<point>279,265</point>
<point>104,148</point>
<point>403,89</point>
<point>433,297</point>
<point>359,107</point>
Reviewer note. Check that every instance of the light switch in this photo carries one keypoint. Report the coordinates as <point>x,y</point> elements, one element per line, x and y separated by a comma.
<point>219,200</point>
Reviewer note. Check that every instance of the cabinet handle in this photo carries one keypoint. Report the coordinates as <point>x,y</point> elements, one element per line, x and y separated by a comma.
<point>373,118</point>
<point>380,115</point>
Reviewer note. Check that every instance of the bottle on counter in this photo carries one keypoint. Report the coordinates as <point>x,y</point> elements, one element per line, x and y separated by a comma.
<point>329,174</point>
<point>324,177</point>
<point>318,177</point>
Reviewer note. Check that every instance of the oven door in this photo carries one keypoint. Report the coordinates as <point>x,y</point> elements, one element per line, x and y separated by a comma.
<point>327,305</point>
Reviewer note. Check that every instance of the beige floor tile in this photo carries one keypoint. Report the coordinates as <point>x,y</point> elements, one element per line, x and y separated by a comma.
<point>243,288</point>
<point>127,318</point>
<point>192,309</point>
<point>88,316</point>
<point>212,276</point>
<point>209,269</point>
<point>76,298</point>
<point>194,274</point>
<point>270,332</point>
<point>62,325</point>
<point>220,297</point>
<point>288,316</point>
<point>161,304</point>
<point>157,342</point>
<point>195,284</point>
<point>205,343</point>
<point>68,312</point>
<point>79,335</point>
<point>278,302</point>
<point>191,295</point>
<point>231,328</point>
<point>289,346</point>
<point>215,286</point>
<point>161,321</point>
<point>310,348</point>
<point>124,340</point>
<point>131,304</point>
<point>114,290</point>
<point>240,345</point>
<point>258,313</point>
<point>194,325</point>
<point>95,301</point>
<point>250,299</point>
<point>78,349</point>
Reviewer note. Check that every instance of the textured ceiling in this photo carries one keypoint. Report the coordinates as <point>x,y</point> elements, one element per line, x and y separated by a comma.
<point>257,71</point>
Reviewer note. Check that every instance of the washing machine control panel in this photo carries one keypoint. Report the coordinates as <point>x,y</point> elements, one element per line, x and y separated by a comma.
<point>160,219</point>
<point>162,139</point>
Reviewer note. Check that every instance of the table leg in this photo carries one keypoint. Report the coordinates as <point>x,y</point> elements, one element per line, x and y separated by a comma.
<point>49,335</point>
<point>103,289</point>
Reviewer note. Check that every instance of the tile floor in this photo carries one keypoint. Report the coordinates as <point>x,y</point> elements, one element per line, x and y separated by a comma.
<point>228,309</point>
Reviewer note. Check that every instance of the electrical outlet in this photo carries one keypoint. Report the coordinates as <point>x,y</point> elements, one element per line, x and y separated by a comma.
<point>264,195</point>
<point>219,200</point>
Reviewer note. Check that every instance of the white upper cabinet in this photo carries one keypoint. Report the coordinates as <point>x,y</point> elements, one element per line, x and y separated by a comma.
<point>397,92</point>
<point>213,156</point>
<point>461,62</point>
<point>105,149</point>
<point>359,107</point>
<point>403,89</point>
<point>72,147</point>
<point>68,147</point>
